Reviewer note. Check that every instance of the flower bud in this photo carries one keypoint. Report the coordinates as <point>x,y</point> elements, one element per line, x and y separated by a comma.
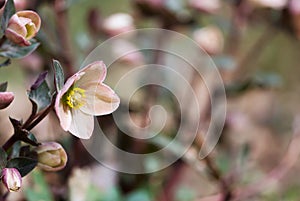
<point>5,99</point>
<point>210,39</point>
<point>51,156</point>
<point>118,23</point>
<point>12,179</point>
<point>22,27</point>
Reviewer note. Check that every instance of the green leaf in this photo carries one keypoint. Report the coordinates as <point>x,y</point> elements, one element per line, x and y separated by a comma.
<point>40,189</point>
<point>5,63</point>
<point>11,50</point>
<point>3,86</point>
<point>23,164</point>
<point>15,151</point>
<point>58,75</point>
<point>41,95</point>
<point>139,195</point>
<point>3,158</point>
<point>41,78</point>
<point>8,11</point>
<point>32,137</point>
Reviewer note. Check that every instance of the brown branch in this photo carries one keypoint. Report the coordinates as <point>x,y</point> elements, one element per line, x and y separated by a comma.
<point>273,177</point>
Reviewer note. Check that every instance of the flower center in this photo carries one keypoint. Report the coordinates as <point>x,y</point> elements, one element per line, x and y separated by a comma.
<point>74,98</point>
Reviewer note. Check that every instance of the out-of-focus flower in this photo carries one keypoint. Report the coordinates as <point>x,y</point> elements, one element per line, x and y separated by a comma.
<point>294,6</point>
<point>208,6</point>
<point>12,179</point>
<point>118,23</point>
<point>83,96</point>
<point>20,4</point>
<point>127,53</point>
<point>275,4</point>
<point>209,38</point>
<point>51,156</point>
<point>22,27</point>
<point>294,9</point>
<point>32,62</point>
<point>5,99</point>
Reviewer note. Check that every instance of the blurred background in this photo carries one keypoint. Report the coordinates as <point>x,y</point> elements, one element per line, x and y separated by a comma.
<point>255,46</point>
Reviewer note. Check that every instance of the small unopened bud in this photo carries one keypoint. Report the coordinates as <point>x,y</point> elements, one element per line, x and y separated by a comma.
<point>51,156</point>
<point>12,179</point>
<point>22,27</point>
<point>5,99</point>
<point>210,38</point>
<point>208,6</point>
<point>118,23</point>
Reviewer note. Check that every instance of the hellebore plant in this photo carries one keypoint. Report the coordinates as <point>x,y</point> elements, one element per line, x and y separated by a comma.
<point>75,101</point>
<point>83,96</point>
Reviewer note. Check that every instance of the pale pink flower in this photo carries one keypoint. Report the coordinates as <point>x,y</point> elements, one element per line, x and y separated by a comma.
<point>209,6</point>
<point>118,23</point>
<point>210,39</point>
<point>84,96</point>
<point>12,179</point>
<point>23,26</point>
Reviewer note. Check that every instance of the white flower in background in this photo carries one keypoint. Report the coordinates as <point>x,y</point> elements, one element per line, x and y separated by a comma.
<point>118,23</point>
<point>210,39</point>
<point>209,6</point>
<point>84,96</point>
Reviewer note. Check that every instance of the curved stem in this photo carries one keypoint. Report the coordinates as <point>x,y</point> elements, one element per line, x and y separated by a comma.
<point>41,117</point>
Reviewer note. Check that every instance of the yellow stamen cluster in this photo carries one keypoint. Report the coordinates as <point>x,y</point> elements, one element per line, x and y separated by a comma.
<point>74,98</point>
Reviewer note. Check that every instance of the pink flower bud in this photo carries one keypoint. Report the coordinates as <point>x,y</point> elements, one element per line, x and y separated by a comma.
<point>51,156</point>
<point>210,39</point>
<point>5,99</point>
<point>22,27</point>
<point>118,23</point>
<point>12,179</point>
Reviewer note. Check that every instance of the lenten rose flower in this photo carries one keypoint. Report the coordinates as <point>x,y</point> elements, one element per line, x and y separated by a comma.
<point>22,27</point>
<point>84,96</point>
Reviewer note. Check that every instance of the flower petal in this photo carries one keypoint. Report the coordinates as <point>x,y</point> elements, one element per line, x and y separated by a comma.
<point>101,100</point>
<point>33,16</point>
<point>94,72</point>
<point>82,125</point>
<point>64,115</point>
